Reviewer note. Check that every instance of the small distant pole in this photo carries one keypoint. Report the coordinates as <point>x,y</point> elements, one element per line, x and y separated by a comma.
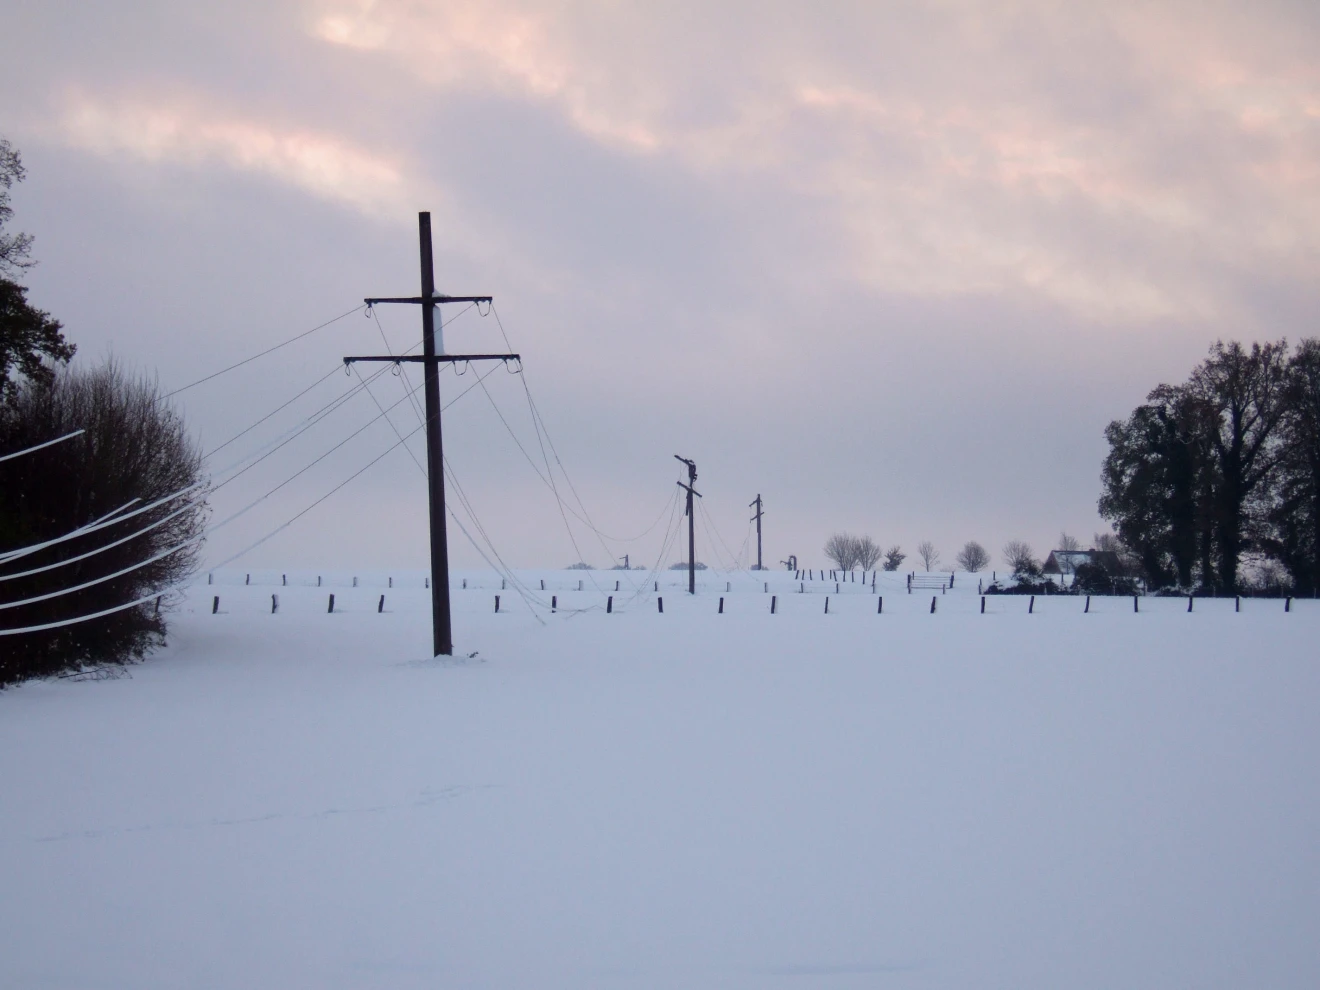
<point>692,525</point>
<point>757,519</point>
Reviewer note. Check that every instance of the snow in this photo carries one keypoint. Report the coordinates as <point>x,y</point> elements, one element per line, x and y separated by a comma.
<point>652,800</point>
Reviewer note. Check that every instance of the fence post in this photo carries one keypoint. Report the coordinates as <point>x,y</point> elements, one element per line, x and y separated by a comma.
<point>802,587</point>
<point>284,580</point>
<point>660,602</point>
<point>210,578</point>
<point>1237,603</point>
<point>1189,603</point>
<point>497,604</point>
<point>827,604</point>
<point>504,583</point>
<point>332,604</point>
<point>426,582</point>
<point>554,602</point>
<point>728,586</point>
<point>355,583</point>
<point>464,584</point>
<point>1031,605</point>
<point>721,605</point>
<point>542,584</point>
<point>1135,607</point>
<point>579,584</point>
<point>318,580</point>
<point>1088,605</point>
<point>380,605</point>
<point>609,605</point>
<point>880,605</point>
<point>247,578</point>
<point>1287,604</point>
<point>983,604</point>
<point>274,604</point>
<point>215,605</point>
<point>773,599</point>
<point>933,600</point>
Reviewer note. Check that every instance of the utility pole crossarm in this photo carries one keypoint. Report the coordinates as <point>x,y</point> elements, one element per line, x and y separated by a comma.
<point>436,297</point>
<point>434,359</point>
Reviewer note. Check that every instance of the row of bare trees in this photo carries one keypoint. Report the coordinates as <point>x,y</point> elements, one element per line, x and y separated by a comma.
<point>848,551</point>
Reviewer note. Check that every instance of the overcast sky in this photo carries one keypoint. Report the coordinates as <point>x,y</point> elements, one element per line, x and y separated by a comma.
<point>892,266</point>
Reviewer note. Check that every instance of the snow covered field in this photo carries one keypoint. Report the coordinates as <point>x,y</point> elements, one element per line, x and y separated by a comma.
<point>681,799</point>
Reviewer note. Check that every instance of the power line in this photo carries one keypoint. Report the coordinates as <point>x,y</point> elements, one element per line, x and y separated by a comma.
<point>279,408</point>
<point>42,446</point>
<point>9,555</point>
<point>268,350</point>
<point>109,546</point>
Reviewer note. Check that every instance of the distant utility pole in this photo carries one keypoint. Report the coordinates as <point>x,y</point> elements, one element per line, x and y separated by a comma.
<point>692,533</point>
<point>626,565</point>
<point>430,301</point>
<point>757,519</point>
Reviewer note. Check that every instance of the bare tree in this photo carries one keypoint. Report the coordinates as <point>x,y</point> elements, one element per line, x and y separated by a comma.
<point>842,549</point>
<point>894,557</point>
<point>928,554</point>
<point>972,557</point>
<point>135,450</point>
<point>1068,543</point>
<point>868,553</point>
<point>1109,542</point>
<point>1020,557</point>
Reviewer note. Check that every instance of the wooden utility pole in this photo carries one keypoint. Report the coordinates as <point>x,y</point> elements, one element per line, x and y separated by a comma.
<point>430,300</point>
<point>757,519</point>
<point>692,534</point>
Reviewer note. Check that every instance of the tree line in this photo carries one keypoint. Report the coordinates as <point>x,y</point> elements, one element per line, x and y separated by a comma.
<point>1222,470</point>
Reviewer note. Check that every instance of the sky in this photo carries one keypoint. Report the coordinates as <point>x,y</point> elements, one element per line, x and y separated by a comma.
<point>894,267</point>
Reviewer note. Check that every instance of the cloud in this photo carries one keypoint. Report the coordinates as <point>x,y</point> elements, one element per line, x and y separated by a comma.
<point>1127,164</point>
<point>323,165</point>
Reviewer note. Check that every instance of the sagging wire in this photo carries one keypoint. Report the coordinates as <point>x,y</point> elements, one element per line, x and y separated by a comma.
<point>269,350</point>
<point>328,409</point>
<point>280,408</point>
<point>41,446</point>
<point>9,555</point>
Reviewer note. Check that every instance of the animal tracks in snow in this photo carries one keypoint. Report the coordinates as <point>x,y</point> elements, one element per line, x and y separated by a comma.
<point>425,798</point>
